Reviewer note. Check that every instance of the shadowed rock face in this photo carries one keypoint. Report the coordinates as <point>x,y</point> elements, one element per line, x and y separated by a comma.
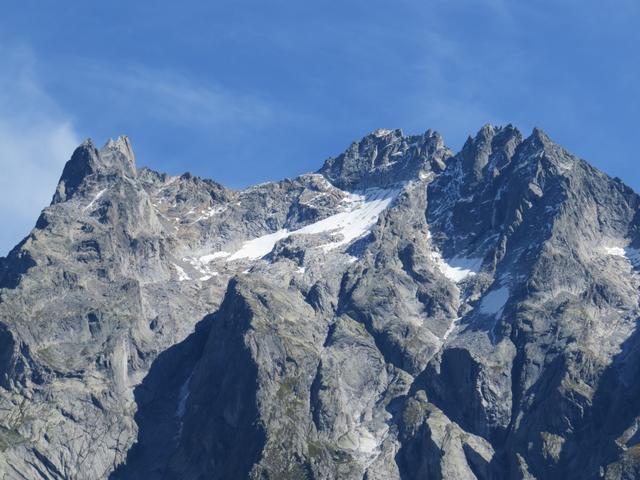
<point>403,313</point>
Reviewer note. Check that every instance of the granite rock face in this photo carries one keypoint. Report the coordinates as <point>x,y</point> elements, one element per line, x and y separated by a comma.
<point>405,312</point>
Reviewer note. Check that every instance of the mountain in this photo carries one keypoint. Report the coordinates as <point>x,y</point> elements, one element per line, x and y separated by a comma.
<point>403,313</point>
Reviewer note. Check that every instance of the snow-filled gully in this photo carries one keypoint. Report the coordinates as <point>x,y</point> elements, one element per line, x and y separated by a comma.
<point>361,214</point>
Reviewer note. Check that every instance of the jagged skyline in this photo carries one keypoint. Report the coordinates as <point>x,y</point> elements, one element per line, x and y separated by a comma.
<point>243,92</point>
<point>403,312</point>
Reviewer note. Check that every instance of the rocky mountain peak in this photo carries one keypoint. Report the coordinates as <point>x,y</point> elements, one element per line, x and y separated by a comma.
<point>539,135</point>
<point>84,162</point>
<point>386,157</point>
<point>114,159</point>
<point>489,151</point>
<point>118,154</point>
<point>538,152</point>
<point>385,133</point>
<point>328,326</point>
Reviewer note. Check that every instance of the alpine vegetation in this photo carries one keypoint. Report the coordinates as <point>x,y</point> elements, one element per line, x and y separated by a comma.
<point>403,313</point>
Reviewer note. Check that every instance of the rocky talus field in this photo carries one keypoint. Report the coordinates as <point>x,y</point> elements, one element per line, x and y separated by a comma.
<point>406,312</point>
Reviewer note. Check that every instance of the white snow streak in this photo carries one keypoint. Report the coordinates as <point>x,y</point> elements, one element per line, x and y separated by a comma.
<point>632,255</point>
<point>95,199</point>
<point>616,251</point>
<point>182,275</point>
<point>212,256</point>
<point>204,278</point>
<point>259,247</point>
<point>456,269</point>
<point>183,396</point>
<point>454,323</point>
<point>356,221</point>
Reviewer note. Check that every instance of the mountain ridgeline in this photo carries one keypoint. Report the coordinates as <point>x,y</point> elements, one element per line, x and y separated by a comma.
<point>403,313</point>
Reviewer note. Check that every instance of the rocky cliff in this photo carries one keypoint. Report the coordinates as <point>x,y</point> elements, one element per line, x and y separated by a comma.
<point>405,312</point>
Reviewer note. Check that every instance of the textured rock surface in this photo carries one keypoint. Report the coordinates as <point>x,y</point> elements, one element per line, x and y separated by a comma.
<point>403,313</point>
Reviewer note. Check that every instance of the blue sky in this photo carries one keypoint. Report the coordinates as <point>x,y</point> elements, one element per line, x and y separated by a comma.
<point>247,91</point>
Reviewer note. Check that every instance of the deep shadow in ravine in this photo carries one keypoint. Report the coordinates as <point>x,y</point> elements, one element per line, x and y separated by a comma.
<point>157,399</point>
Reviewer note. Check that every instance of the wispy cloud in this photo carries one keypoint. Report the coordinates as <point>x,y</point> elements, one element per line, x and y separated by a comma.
<point>37,136</point>
<point>172,97</point>
<point>36,139</point>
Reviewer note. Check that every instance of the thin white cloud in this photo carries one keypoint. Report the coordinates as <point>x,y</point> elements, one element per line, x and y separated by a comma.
<point>172,97</point>
<point>37,136</point>
<point>36,139</point>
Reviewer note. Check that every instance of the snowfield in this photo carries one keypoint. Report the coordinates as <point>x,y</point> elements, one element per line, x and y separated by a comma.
<point>360,215</point>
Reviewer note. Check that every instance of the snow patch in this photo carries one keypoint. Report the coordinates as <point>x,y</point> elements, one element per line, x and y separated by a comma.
<point>454,324</point>
<point>259,247</point>
<point>212,256</point>
<point>201,264</point>
<point>616,251</point>
<point>205,214</point>
<point>381,132</point>
<point>493,302</point>
<point>361,215</point>
<point>182,275</point>
<point>362,211</point>
<point>204,278</point>
<point>632,255</point>
<point>460,268</point>
<point>367,442</point>
<point>457,268</point>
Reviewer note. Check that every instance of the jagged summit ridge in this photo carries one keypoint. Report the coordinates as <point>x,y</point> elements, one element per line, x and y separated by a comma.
<point>405,312</point>
<point>116,157</point>
<point>385,157</point>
